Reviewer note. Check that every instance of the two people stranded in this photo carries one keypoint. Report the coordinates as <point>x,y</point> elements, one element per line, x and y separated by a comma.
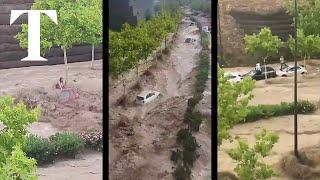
<point>283,65</point>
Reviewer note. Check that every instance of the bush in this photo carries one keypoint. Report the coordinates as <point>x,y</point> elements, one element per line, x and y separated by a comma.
<point>176,156</point>
<point>194,120</point>
<point>183,134</point>
<point>189,157</point>
<point>67,144</point>
<point>248,165</point>
<point>40,149</point>
<point>18,167</point>
<point>182,173</point>
<point>267,111</point>
<point>93,139</point>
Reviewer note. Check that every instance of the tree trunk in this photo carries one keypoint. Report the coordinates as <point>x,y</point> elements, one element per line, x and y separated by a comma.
<point>265,70</point>
<point>92,56</point>
<point>66,64</point>
<point>304,60</point>
<point>165,42</point>
<point>137,71</point>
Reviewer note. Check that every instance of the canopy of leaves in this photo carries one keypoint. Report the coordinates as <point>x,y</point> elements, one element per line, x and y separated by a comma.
<point>248,165</point>
<point>78,22</point>
<point>15,118</point>
<point>233,102</point>
<point>307,45</point>
<point>309,15</point>
<point>263,44</point>
<point>135,43</point>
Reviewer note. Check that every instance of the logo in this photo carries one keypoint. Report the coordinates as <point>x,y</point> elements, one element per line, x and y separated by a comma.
<point>33,30</point>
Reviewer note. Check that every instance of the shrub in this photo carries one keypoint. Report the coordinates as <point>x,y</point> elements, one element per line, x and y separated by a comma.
<point>267,111</point>
<point>18,166</point>
<point>176,156</point>
<point>183,134</point>
<point>182,173</point>
<point>67,144</point>
<point>14,164</point>
<point>189,157</point>
<point>40,149</point>
<point>249,167</point>
<point>93,139</point>
<point>194,120</point>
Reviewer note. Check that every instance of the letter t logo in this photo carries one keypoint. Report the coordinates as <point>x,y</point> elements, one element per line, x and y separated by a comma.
<point>33,30</point>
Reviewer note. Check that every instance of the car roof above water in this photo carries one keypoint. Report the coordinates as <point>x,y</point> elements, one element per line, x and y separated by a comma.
<point>145,93</point>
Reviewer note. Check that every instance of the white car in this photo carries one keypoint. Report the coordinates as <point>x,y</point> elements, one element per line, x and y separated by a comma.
<point>146,97</point>
<point>289,71</point>
<point>234,77</point>
<point>206,29</point>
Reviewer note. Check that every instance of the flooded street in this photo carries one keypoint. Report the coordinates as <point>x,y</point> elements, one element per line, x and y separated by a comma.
<point>142,137</point>
<point>275,91</point>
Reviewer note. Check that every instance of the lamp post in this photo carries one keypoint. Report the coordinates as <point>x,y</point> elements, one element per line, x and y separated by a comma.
<point>219,28</point>
<point>295,81</point>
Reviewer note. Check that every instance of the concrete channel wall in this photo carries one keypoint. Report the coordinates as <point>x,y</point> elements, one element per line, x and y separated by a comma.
<point>10,51</point>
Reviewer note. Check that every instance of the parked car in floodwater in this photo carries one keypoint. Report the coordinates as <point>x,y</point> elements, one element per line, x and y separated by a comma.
<point>146,96</point>
<point>233,77</point>
<point>289,71</point>
<point>271,73</point>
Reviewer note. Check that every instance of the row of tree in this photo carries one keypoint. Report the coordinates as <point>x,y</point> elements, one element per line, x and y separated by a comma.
<point>264,44</point>
<point>135,43</point>
<point>78,22</point>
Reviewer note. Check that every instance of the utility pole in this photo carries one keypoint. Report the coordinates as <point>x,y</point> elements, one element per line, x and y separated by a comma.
<point>295,82</point>
<point>219,28</point>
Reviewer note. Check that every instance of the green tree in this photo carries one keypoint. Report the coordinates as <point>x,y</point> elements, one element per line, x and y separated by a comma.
<point>248,165</point>
<point>15,117</point>
<point>90,21</point>
<point>307,45</point>
<point>65,34</point>
<point>262,45</point>
<point>233,102</point>
<point>309,13</point>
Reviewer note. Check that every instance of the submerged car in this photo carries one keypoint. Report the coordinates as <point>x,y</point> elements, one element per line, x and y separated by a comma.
<point>289,71</point>
<point>190,40</point>
<point>146,97</point>
<point>256,75</point>
<point>233,77</point>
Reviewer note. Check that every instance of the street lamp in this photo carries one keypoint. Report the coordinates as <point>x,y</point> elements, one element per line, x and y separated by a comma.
<point>295,81</point>
<point>219,29</point>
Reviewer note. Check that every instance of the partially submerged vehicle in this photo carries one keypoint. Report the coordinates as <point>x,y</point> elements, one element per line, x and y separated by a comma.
<point>289,71</point>
<point>146,96</point>
<point>258,75</point>
<point>233,77</point>
<point>190,40</point>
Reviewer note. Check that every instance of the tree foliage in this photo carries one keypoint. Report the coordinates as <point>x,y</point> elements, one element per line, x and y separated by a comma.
<point>263,44</point>
<point>248,165</point>
<point>15,117</point>
<point>309,15</point>
<point>78,22</point>
<point>135,43</point>
<point>308,45</point>
<point>233,102</point>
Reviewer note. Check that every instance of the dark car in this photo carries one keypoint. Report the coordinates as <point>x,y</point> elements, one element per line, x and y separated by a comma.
<point>271,73</point>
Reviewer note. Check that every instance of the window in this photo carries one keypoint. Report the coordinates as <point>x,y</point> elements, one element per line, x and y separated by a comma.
<point>140,98</point>
<point>149,95</point>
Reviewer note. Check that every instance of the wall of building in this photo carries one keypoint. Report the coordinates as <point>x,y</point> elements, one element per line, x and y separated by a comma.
<point>10,51</point>
<point>240,17</point>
